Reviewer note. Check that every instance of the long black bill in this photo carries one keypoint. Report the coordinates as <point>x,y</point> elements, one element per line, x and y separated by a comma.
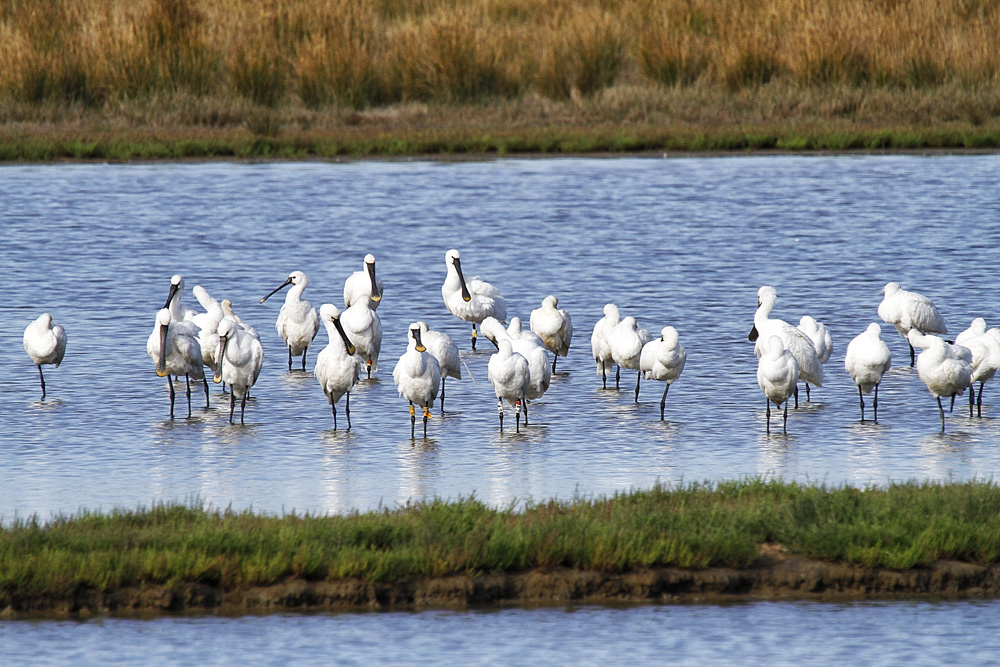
<point>223,342</point>
<point>343,334</point>
<point>465,290</point>
<point>161,365</point>
<point>277,289</point>
<point>170,296</point>
<point>376,294</point>
<point>753,335</point>
<point>416,337</point>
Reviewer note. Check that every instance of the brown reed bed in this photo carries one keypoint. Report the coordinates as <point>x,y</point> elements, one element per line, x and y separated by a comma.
<point>563,75</point>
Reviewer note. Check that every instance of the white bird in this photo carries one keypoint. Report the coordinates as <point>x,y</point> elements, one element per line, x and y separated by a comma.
<point>517,332</point>
<point>45,343</point>
<point>626,341</point>
<point>241,357</point>
<point>946,369</point>
<point>182,319</point>
<point>792,339</point>
<point>208,325</point>
<point>364,329</point>
<point>599,344</point>
<point>663,360</point>
<point>227,311</point>
<point>363,283</point>
<point>297,321</point>
<point>176,351</point>
<point>819,335</point>
<point>866,361</point>
<point>472,301</point>
<point>337,365</point>
<point>418,376</point>
<point>985,348</point>
<point>536,355</point>
<point>508,373</point>
<point>554,326</point>
<point>910,310</point>
<point>777,376</point>
<point>440,346</point>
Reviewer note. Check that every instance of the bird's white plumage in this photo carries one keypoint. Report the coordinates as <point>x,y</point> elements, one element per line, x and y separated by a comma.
<point>208,325</point>
<point>443,348</point>
<point>819,335</point>
<point>626,341</point>
<point>177,347</point>
<point>227,311</point>
<point>297,322</point>
<point>777,371</point>
<point>45,342</point>
<point>985,348</point>
<point>417,374</point>
<point>241,357</point>
<point>910,310</point>
<point>537,356</point>
<point>363,283</point>
<point>553,325</point>
<point>792,339</point>
<point>517,332</point>
<point>946,369</point>
<point>867,358</point>
<point>509,374</point>
<point>599,339</point>
<point>336,367</point>
<point>364,329</point>
<point>663,359</point>
<point>484,300</point>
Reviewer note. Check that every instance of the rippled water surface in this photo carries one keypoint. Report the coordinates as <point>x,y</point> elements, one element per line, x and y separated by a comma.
<point>684,242</point>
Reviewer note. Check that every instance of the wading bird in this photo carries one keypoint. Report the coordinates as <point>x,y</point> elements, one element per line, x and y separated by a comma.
<point>599,343</point>
<point>364,329</point>
<point>175,351</point>
<point>240,359</point>
<point>363,283</point>
<point>418,376</point>
<point>777,376</point>
<point>297,321</point>
<point>440,346</point>
<point>337,364</point>
<point>663,360</point>
<point>626,341</point>
<point>45,343</point>
<point>909,310</point>
<point>554,326</point>
<point>985,348</point>
<point>472,301</point>
<point>540,375</point>
<point>866,361</point>
<point>946,369</point>
<point>509,375</point>
<point>794,340</point>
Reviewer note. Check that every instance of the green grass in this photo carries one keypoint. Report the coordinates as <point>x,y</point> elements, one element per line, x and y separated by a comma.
<point>693,526</point>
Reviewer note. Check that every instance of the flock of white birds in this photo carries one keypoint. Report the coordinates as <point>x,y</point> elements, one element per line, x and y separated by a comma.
<point>184,341</point>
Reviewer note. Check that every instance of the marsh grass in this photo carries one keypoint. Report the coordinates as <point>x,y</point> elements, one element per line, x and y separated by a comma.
<point>693,526</point>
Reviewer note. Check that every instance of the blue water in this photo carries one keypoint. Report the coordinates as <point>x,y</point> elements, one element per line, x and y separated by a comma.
<point>685,242</point>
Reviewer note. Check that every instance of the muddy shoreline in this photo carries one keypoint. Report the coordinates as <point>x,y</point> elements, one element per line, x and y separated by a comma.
<point>775,575</point>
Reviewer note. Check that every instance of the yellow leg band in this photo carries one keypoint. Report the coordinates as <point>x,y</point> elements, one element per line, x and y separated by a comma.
<point>411,410</point>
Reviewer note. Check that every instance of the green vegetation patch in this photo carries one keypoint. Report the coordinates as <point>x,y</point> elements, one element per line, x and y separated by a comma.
<point>694,526</point>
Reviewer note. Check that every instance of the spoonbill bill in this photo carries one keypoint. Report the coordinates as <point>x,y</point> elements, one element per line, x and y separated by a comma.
<point>440,346</point>
<point>599,344</point>
<point>240,359</point>
<point>554,326</point>
<point>794,340</point>
<point>910,310</point>
<point>418,376</point>
<point>363,283</point>
<point>946,369</point>
<point>337,364</point>
<point>176,351</point>
<point>509,375</point>
<point>663,360</point>
<point>45,343</point>
<point>473,300</point>
<point>866,361</point>
<point>777,376</point>
<point>297,321</point>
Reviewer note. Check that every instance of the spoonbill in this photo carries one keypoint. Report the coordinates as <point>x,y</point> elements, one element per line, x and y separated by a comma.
<point>910,310</point>
<point>184,320</point>
<point>440,346</point>
<point>599,344</point>
<point>985,348</point>
<point>517,332</point>
<point>240,359</point>
<point>508,373</point>
<point>866,361</point>
<point>554,326</point>
<point>363,283</point>
<point>663,360</point>
<point>795,341</point>
<point>418,376</point>
<point>337,364</point>
<point>364,329</point>
<point>472,301</point>
<point>946,369</point>
<point>536,355</point>
<point>820,336</point>
<point>45,343</point>
<point>626,341</point>
<point>227,311</point>
<point>208,325</point>
<point>178,312</point>
<point>297,321</point>
<point>176,351</point>
<point>777,376</point>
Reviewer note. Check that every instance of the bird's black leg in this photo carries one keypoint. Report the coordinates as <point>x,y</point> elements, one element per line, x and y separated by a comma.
<point>979,401</point>
<point>618,374</point>
<point>243,406</point>
<point>796,397</point>
<point>187,382</point>
<point>517,417</point>
<point>500,412</point>
<point>663,401</point>
<point>912,355</point>
<point>204,378</point>
<point>413,421</point>
<point>232,405</point>
<point>442,394</point>
<point>768,404</point>
<point>941,410</point>
<point>427,416</point>
<point>972,397</point>
<point>474,336</point>
<point>524,406</point>
<point>861,398</point>
<point>952,408</point>
<point>784,428</point>
<point>170,383</point>
<point>637,378</point>
<point>808,399</point>
<point>368,366</point>
<point>554,357</point>
<point>347,410</point>
<point>42,378</point>
<point>875,403</point>
<point>604,375</point>
<point>304,361</point>
<point>289,359</point>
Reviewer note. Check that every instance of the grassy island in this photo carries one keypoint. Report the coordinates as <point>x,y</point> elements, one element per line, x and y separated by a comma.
<point>145,79</point>
<point>752,537</point>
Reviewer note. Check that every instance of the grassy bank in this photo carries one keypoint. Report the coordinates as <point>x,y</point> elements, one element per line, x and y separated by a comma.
<point>695,526</point>
<point>107,79</point>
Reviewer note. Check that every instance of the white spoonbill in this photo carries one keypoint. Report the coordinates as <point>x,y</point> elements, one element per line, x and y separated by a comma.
<point>946,369</point>
<point>240,360</point>
<point>517,332</point>
<point>599,344</point>
<point>176,351</point>
<point>472,301</point>
<point>663,360</point>
<point>178,312</point>
<point>297,321</point>
<point>227,311</point>
<point>440,346</point>
<point>866,361</point>
<point>626,341</point>
<point>45,343</point>
<point>777,376</point>
<point>363,283</point>
<point>510,377</point>
<point>364,329</point>
<point>792,339</point>
<point>554,326</point>
<point>910,310</point>
<point>418,376</point>
<point>183,320</point>
<point>337,364</point>
<point>536,355</point>
<point>819,335</point>
<point>985,348</point>
<point>208,326</point>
